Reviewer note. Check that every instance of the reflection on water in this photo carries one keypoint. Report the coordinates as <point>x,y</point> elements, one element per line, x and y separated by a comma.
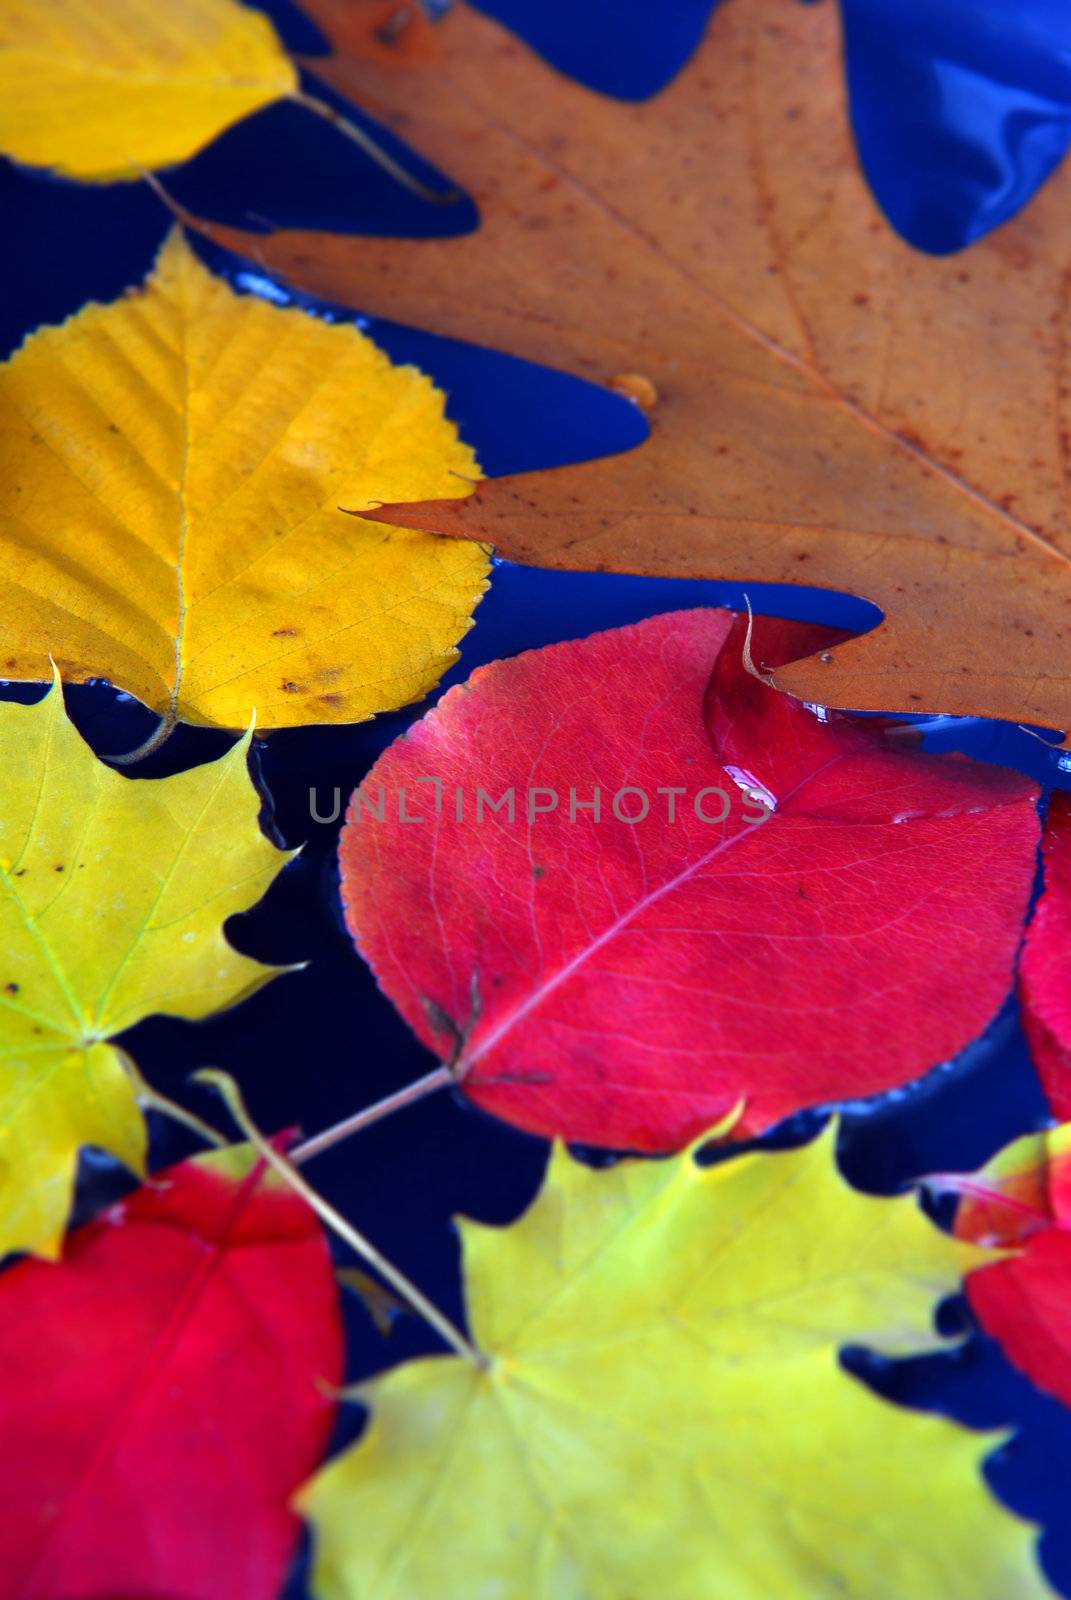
<point>961,108</point>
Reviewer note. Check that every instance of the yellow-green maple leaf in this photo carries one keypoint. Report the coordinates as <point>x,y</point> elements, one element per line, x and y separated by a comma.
<point>664,1413</point>
<point>105,88</point>
<point>113,895</point>
<point>171,472</point>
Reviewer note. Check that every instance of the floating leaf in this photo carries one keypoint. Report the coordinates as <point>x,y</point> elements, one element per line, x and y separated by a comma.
<point>107,88</point>
<point>628,982</point>
<point>1021,1191</point>
<point>828,406</point>
<point>1045,968</point>
<point>115,892</point>
<point>663,1401</point>
<point>1022,1199</point>
<point>166,1388</point>
<point>173,466</point>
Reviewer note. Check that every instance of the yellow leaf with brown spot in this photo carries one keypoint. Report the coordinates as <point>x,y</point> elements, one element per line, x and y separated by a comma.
<point>102,89</point>
<point>171,472</point>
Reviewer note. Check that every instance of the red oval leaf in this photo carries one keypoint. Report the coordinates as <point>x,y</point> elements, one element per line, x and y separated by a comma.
<point>627,982</point>
<point>164,1395</point>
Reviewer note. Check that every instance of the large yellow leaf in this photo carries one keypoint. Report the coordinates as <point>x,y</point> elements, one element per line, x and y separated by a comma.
<point>171,472</point>
<point>113,895</point>
<point>106,88</point>
<point>664,1413</point>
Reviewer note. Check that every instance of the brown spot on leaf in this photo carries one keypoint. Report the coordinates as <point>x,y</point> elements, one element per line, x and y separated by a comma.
<point>391,30</point>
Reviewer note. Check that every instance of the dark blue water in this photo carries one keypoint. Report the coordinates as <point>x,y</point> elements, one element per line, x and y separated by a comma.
<point>961,109</point>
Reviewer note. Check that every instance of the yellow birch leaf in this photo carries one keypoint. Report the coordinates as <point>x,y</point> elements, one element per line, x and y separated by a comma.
<point>113,896</point>
<point>171,472</point>
<point>664,1412</point>
<point>103,89</point>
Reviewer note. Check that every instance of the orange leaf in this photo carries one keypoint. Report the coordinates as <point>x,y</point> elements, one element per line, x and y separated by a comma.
<point>829,406</point>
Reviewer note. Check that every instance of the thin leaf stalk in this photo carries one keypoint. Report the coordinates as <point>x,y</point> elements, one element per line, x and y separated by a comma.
<point>361,1246</point>
<point>440,1078</point>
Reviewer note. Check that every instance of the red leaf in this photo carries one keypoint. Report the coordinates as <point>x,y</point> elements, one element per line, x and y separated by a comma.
<point>1023,1198</point>
<point>1025,1304</point>
<point>162,1394</point>
<point>634,982</point>
<point>1045,969</point>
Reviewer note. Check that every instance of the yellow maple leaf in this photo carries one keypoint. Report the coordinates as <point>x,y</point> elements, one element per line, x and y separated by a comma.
<point>663,1411</point>
<point>113,895</point>
<point>105,88</point>
<point>171,472</point>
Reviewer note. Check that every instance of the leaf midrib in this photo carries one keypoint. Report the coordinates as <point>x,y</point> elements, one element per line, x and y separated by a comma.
<point>573,965</point>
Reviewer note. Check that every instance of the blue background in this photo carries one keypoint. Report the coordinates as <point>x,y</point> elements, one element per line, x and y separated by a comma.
<point>960,108</point>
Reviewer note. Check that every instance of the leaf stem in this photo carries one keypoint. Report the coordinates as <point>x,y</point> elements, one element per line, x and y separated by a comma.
<point>452,1336</point>
<point>969,1188</point>
<point>146,1095</point>
<point>159,736</point>
<point>372,148</point>
<point>440,1078</point>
